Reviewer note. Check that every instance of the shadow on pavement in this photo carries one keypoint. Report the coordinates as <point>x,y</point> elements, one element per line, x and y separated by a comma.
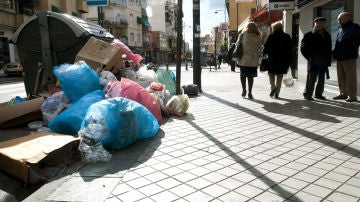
<point>320,111</point>
<point>323,140</point>
<point>269,182</point>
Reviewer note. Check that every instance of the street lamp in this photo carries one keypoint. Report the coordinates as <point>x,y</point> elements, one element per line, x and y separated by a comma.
<point>185,59</point>
<point>225,30</point>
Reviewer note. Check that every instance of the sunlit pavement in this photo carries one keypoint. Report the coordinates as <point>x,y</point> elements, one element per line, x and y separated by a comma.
<point>229,148</point>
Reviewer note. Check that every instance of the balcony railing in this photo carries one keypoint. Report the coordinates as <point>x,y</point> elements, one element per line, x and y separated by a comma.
<point>116,21</point>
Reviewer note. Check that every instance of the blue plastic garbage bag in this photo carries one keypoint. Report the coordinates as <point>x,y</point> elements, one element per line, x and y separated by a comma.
<point>69,121</point>
<point>77,79</point>
<point>123,121</point>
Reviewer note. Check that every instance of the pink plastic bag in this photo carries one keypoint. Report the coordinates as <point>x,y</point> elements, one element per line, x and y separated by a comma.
<point>129,55</point>
<point>129,89</point>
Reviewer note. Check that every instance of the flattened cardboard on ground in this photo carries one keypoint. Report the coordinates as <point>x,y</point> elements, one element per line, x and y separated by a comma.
<point>20,113</point>
<point>27,158</point>
<point>100,55</point>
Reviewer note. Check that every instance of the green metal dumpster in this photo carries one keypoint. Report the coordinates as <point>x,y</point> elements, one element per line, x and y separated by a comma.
<point>49,39</point>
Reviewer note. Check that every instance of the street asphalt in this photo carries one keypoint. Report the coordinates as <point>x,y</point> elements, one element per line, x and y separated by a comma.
<point>229,148</point>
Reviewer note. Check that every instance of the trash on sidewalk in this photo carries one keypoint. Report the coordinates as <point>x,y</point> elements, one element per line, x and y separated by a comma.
<point>20,113</point>
<point>37,157</point>
<point>178,104</point>
<point>101,55</point>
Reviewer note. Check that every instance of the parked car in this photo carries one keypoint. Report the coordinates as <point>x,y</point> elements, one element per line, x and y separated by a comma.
<point>13,69</point>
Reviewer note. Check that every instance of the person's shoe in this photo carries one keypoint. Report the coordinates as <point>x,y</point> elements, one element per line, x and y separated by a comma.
<point>243,94</point>
<point>272,92</point>
<point>308,98</point>
<point>320,97</point>
<point>351,99</point>
<point>276,96</point>
<point>250,96</point>
<point>340,97</point>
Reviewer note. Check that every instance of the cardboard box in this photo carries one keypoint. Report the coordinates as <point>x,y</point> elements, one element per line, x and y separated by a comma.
<point>100,55</point>
<point>36,157</point>
<point>20,113</point>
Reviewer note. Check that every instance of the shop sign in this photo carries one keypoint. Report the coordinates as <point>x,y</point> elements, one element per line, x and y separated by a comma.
<point>96,2</point>
<point>281,5</point>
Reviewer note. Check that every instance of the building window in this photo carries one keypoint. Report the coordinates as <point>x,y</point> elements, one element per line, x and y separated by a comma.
<point>132,37</point>
<point>139,38</point>
<point>131,18</point>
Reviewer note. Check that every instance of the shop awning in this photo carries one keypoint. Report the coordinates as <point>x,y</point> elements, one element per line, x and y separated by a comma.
<point>143,20</point>
<point>259,12</point>
<point>263,16</point>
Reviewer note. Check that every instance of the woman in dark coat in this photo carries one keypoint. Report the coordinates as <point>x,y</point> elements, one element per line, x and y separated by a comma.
<point>278,47</point>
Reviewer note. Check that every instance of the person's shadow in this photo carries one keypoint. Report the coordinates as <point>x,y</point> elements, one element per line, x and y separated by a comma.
<point>325,110</point>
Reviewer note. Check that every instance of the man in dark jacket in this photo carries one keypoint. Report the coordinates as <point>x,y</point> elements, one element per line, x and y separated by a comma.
<point>316,48</point>
<point>278,47</point>
<point>346,52</point>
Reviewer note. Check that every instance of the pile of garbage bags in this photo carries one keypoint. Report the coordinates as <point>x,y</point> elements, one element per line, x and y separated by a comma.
<point>110,112</point>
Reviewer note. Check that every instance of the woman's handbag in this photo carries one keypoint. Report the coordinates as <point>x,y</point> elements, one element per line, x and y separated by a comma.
<point>238,51</point>
<point>264,64</point>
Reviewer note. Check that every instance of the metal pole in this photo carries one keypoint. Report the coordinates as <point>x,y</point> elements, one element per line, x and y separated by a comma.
<point>178,44</point>
<point>216,31</point>
<point>196,44</point>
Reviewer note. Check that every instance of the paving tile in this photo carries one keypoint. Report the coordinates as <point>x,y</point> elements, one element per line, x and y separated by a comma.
<point>248,191</point>
<point>295,183</point>
<point>337,177</point>
<point>244,177</point>
<point>172,171</point>
<point>346,171</point>
<point>167,195</point>
<point>317,190</point>
<point>286,171</point>
<point>150,189</point>
<point>350,190</point>
<point>303,196</point>
<point>132,195</point>
<point>227,171</point>
<point>327,183</point>
<point>214,177</point>
<point>113,199</point>
<point>168,183</point>
<point>315,171</point>
<point>337,196</point>
<point>156,176</point>
<point>268,196</point>
<point>138,182</point>
<point>184,177</point>
<point>139,172</point>
<point>121,188</point>
<point>306,177</point>
<point>199,171</point>
<point>183,190</point>
<point>233,197</point>
<point>200,183</point>
<point>199,196</point>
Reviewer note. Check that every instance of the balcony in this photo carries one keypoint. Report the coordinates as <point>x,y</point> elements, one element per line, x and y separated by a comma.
<point>120,22</point>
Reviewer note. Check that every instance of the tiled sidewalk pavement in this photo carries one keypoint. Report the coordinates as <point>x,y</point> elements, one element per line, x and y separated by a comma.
<point>232,149</point>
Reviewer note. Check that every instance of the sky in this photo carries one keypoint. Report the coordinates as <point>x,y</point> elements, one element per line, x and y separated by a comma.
<point>208,18</point>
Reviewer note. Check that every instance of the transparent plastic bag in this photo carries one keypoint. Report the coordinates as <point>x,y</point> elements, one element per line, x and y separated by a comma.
<point>288,80</point>
<point>93,153</point>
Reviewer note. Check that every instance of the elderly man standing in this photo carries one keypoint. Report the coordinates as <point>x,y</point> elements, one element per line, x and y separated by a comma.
<point>346,52</point>
<point>316,48</point>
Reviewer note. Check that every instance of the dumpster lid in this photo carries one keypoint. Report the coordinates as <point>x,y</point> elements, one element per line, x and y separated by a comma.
<point>78,25</point>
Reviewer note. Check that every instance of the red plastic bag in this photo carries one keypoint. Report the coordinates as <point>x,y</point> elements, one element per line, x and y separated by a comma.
<point>129,89</point>
<point>129,55</point>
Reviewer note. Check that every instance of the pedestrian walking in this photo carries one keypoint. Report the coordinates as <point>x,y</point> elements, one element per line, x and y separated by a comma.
<point>316,48</point>
<point>251,43</point>
<point>278,48</point>
<point>346,52</point>
<point>220,58</point>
